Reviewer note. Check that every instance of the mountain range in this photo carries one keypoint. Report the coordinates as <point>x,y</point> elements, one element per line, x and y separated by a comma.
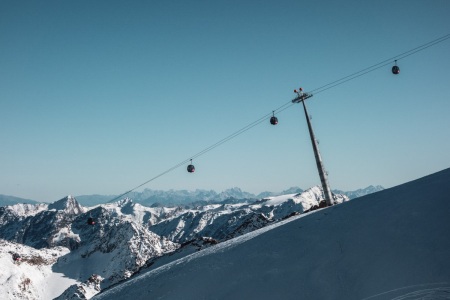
<point>149,197</point>
<point>62,256</point>
<point>11,200</point>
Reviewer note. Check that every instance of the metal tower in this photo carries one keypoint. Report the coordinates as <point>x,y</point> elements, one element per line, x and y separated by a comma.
<point>301,97</point>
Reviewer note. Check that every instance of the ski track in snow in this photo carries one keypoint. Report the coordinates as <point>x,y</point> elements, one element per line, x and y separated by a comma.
<point>442,292</point>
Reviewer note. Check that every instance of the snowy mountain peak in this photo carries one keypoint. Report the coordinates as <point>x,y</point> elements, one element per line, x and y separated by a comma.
<point>124,202</point>
<point>68,204</point>
<point>236,193</point>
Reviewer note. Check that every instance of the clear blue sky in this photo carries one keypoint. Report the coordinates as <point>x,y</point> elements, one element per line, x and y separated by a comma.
<point>97,97</point>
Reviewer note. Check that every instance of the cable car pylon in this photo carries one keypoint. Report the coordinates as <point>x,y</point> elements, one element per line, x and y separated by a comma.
<point>301,97</point>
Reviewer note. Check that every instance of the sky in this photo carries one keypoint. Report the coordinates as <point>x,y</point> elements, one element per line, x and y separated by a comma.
<point>100,97</point>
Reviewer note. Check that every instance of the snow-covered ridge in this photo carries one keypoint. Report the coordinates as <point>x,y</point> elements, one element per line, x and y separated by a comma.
<point>128,236</point>
<point>225,221</point>
<point>26,210</point>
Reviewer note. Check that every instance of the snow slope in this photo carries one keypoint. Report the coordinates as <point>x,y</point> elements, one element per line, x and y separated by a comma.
<point>32,278</point>
<point>394,244</point>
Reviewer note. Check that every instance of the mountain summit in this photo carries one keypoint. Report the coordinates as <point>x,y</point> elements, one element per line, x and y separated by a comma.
<point>68,204</point>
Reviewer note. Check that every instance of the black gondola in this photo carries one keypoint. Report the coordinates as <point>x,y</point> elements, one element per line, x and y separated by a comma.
<point>191,168</point>
<point>395,69</point>
<point>273,119</point>
<point>91,221</point>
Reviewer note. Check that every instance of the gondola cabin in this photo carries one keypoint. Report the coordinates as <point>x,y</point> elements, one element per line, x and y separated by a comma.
<point>191,168</point>
<point>395,69</point>
<point>91,221</point>
<point>273,119</point>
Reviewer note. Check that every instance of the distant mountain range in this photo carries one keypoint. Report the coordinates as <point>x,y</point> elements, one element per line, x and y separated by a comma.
<point>360,192</point>
<point>11,200</point>
<point>159,198</point>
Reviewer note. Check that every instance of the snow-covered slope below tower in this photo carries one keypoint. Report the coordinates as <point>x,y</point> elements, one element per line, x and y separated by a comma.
<point>393,244</point>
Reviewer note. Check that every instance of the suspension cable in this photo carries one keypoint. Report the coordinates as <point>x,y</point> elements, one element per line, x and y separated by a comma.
<point>289,104</point>
<point>379,65</point>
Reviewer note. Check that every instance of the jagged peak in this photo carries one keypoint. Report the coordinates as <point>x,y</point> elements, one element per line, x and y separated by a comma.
<point>68,204</point>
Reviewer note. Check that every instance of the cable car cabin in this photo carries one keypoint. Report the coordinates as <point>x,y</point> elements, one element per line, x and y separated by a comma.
<point>395,70</point>
<point>191,168</point>
<point>274,120</point>
<point>91,221</point>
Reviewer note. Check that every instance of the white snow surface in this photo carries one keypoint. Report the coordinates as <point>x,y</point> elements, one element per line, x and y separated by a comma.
<point>32,278</point>
<point>394,244</point>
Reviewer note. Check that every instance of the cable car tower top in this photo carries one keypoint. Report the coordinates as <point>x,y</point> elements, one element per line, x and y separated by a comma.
<point>301,97</point>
